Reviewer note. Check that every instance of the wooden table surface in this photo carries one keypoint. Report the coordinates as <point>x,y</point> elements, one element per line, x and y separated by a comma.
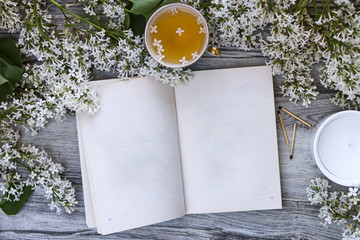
<point>297,220</point>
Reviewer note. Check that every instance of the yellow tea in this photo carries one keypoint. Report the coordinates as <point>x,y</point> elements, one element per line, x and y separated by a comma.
<point>176,35</point>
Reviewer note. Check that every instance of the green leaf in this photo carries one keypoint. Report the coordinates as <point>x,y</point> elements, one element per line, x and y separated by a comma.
<point>127,20</point>
<point>70,25</point>
<point>10,72</point>
<point>29,23</point>
<point>10,52</point>
<point>6,88</point>
<point>13,207</point>
<point>302,4</point>
<point>137,24</point>
<point>141,7</point>
<point>3,200</point>
<point>164,2</point>
<point>95,20</point>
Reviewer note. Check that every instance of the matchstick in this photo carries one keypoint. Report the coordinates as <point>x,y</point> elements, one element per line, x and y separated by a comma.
<point>294,116</point>
<point>293,142</point>
<point>283,128</point>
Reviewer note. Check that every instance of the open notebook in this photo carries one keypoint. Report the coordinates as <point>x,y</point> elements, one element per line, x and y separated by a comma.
<point>154,153</point>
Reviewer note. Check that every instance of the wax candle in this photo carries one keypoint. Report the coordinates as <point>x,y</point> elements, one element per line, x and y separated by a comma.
<point>337,148</point>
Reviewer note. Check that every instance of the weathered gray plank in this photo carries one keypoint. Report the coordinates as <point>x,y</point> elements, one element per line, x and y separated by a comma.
<point>297,220</point>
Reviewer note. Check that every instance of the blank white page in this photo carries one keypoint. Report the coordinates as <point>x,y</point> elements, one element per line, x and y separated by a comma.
<point>228,143</point>
<point>132,155</point>
<point>89,211</point>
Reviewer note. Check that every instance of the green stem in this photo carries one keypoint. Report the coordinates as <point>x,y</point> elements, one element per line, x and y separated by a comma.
<point>66,18</point>
<point>22,165</point>
<point>75,15</point>
<point>97,27</point>
<point>122,5</point>
<point>327,6</point>
<point>316,9</point>
<point>323,9</point>
<point>38,22</point>
<point>85,26</point>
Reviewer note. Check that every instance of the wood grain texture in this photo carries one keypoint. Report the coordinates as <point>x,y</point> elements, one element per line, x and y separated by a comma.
<point>297,220</point>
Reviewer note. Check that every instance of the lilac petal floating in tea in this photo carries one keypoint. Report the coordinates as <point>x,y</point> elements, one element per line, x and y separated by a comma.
<point>160,49</point>
<point>179,31</point>
<point>153,29</point>
<point>199,21</point>
<point>202,30</point>
<point>156,42</point>
<point>195,55</point>
<point>160,56</point>
<point>174,11</point>
<point>183,61</point>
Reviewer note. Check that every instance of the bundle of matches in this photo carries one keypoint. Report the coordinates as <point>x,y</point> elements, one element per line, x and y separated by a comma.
<point>294,129</point>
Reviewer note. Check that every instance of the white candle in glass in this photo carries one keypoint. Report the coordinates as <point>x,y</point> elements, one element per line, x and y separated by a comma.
<point>337,148</point>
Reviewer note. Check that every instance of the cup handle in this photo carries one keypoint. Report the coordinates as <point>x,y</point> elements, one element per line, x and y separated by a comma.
<point>213,50</point>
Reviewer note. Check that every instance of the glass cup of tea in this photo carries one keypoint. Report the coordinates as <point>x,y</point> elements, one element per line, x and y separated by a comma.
<point>176,35</point>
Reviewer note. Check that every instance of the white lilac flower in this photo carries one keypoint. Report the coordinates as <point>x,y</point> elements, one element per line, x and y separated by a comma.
<point>160,49</point>
<point>43,172</point>
<point>195,55</point>
<point>202,30</point>
<point>173,11</point>
<point>230,27</point>
<point>199,21</point>
<point>179,31</point>
<point>183,61</point>
<point>9,16</point>
<point>156,42</point>
<point>89,10</point>
<point>338,208</point>
<point>351,234</point>
<point>115,14</point>
<point>153,29</point>
<point>160,56</point>
<point>353,191</point>
<point>172,77</point>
